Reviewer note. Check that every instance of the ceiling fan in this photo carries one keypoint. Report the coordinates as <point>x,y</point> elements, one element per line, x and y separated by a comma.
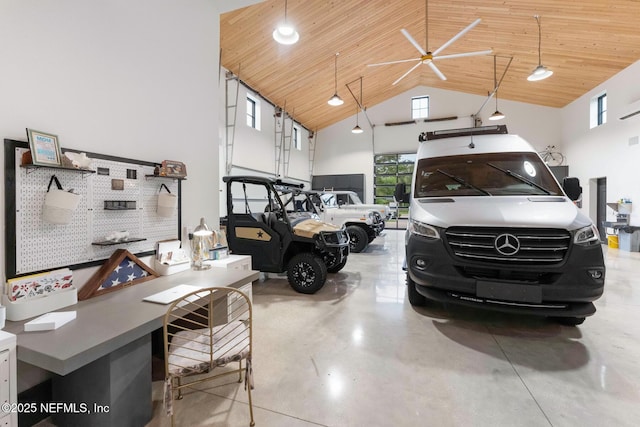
<point>427,57</point>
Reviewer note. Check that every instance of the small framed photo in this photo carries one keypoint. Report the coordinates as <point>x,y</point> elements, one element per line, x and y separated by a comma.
<point>174,169</point>
<point>45,148</point>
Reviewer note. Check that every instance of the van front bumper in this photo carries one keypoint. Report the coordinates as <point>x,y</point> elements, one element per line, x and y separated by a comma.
<point>566,288</point>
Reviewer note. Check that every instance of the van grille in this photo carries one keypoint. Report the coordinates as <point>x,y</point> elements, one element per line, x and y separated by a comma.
<point>509,245</point>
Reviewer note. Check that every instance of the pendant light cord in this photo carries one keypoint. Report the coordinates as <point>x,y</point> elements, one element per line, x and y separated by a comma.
<point>539,39</point>
<point>285,11</point>
<point>336,73</point>
<point>426,24</point>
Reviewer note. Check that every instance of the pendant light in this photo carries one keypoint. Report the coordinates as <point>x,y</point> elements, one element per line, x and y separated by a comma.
<point>335,100</point>
<point>358,129</point>
<point>540,72</point>
<point>285,33</point>
<point>497,115</point>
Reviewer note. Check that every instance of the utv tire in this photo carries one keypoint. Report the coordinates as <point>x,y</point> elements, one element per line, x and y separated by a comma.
<point>358,238</point>
<point>415,299</point>
<point>306,273</point>
<point>337,267</point>
<point>569,321</point>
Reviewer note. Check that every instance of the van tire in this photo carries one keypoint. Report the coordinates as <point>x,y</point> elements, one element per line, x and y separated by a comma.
<point>415,299</point>
<point>306,273</point>
<point>358,239</point>
<point>569,321</point>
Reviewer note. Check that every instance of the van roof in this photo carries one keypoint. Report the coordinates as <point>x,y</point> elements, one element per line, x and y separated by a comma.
<point>476,144</point>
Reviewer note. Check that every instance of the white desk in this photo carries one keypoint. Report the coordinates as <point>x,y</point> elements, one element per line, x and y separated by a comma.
<point>104,355</point>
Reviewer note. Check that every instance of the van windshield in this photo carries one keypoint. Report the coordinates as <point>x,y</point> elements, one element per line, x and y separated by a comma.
<point>489,174</point>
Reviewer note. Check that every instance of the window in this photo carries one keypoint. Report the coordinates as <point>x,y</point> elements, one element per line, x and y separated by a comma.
<point>297,142</point>
<point>598,110</point>
<point>419,107</point>
<point>389,170</point>
<point>602,109</point>
<point>253,112</point>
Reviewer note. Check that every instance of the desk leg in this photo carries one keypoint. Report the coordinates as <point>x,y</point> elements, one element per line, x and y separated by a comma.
<point>119,382</point>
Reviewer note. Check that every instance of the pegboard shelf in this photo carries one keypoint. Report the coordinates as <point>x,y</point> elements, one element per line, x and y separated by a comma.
<point>166,177</point>
<point>119,242</point>
<point>30,169</point>
<point>119,205</point>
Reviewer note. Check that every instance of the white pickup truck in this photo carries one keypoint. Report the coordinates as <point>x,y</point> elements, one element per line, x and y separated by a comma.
<point>336,198</point>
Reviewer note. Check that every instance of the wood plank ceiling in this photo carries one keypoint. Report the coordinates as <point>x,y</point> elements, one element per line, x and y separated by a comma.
<point>584,42</point>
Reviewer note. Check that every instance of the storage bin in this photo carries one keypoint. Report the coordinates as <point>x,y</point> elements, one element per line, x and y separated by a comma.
<point>612,241</point>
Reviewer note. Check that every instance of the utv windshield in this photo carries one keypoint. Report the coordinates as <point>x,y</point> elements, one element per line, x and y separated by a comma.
<point>490,174</point>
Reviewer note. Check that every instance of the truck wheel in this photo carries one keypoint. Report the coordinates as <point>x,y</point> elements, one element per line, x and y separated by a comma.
<point>569,321</point>
<point>358,239</point>
<point>337,267</point>
<point>415,299</point>
<point>306,273</point>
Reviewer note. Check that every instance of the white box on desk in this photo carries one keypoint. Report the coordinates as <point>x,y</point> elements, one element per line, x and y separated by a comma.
<point>24,308</point>
<point>167,269</point>
<point>235,262</point>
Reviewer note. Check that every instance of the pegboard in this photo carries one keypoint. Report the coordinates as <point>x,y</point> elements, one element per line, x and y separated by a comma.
<point>41,246</point>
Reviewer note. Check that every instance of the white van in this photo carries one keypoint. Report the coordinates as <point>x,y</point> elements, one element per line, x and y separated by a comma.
<point>489,226</point>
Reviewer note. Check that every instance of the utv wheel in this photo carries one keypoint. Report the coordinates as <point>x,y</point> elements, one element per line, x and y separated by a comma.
<point>415,299</point>
<point>569,321</point>
<point>358,239</point>
<point>337,267</point>
<point>306,273</point>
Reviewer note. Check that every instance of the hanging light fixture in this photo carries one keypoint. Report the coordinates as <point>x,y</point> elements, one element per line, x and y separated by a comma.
<point>335,100</point>
<point>358,129</point>
<point>540,72</point>
<point>497,115</point>
<point>285,33</point>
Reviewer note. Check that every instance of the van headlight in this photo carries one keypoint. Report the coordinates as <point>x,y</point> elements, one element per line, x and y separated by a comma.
<point>422,229</point>
<point>587,235</point>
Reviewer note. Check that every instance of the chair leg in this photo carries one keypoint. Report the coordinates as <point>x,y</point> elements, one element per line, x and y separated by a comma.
<point>179,389</point>
<point>252,423</point>
<point>240,372</point>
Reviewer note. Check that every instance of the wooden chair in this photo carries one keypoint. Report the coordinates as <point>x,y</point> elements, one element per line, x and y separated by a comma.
<point>204,331</point>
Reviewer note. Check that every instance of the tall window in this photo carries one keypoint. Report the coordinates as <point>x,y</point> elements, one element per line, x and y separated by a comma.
<point>253,112</point>
<point>598,110</point>
<point>602,109</point>
<point>297,142</point>
<point>419,107</point>
<point>389,170</point>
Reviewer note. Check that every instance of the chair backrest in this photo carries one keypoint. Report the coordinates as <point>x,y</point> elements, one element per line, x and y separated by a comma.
<point>205,329</point>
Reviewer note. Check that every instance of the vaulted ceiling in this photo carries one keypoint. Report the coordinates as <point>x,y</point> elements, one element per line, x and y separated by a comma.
<point>585,42</point>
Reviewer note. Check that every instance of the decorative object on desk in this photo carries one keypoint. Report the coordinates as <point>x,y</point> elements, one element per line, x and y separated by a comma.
<point>170,258</point>
<point>167,202</point>
<point>201,241</point>
<point>121,270</point>
<point>36,285</point>
<point>218,252</point>
<point>173,169</point>
<point>77,160</point>
<point>59,204</point>
<point>45,148</point>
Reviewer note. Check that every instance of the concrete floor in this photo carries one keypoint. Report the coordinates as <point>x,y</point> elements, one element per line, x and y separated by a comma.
<point>357,354</point>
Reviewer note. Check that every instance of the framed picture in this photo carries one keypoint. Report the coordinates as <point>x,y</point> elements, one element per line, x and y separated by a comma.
<point>45,148</point>
<point>174,169</point>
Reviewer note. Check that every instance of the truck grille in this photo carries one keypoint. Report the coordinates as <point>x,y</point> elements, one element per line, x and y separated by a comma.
<point>509,245</point>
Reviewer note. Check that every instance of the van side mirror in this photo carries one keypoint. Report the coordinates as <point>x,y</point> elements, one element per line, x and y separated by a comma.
<point>571,186</point>
<point>401,194</point>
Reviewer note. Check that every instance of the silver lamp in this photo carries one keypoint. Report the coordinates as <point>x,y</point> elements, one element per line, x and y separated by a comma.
<point>201,243</point>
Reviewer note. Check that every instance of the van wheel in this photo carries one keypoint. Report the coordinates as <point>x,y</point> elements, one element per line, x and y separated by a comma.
<point>415,299</point>
<point>358,239</point>
<point>306,273</point>
<point>569,321</point>
<point>337,267</point>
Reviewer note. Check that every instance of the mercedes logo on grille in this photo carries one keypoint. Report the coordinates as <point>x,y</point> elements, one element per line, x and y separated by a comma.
<point>507,244</point>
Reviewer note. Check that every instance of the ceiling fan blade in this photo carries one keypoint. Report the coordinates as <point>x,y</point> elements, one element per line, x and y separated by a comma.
<point>413,42</point>
<point>407,73</point>
<point>393,62</point>
<point>457,36</point>
<point>436,70</point>
<point>461,55</point>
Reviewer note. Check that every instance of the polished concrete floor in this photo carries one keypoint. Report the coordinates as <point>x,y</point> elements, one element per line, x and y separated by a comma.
<point>358,354</point>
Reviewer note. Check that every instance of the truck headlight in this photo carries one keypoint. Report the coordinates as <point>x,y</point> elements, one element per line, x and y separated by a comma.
<point>587,235</point>
<point>422,229</point>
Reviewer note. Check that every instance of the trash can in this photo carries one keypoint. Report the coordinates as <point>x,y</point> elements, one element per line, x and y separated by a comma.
<point>629,241</point>
<point>612,241</point>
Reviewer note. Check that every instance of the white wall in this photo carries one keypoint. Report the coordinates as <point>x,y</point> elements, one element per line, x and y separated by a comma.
<point>605,151</point>
<point>338,151</point>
